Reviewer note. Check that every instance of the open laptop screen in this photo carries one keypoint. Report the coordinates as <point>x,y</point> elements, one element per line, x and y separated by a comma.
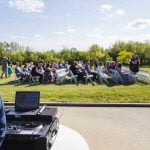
<point>26,101</point>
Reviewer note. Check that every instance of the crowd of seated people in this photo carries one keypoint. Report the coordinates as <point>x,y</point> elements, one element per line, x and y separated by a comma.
<point>22,73</point>
<point>46,71</point>
<point>126,75</point>
<point>77,68</point>
<point>81,69</point>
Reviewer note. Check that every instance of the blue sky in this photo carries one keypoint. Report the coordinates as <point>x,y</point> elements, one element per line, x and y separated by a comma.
<point>54,24</point>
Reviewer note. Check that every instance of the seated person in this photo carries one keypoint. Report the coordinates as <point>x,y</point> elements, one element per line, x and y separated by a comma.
<point>112,66</point>
<point>90,71</point>
<point>77,70</point>
<point>2,122</point>
<point>38,70</point>
<point>19,71</point>
<point>60,65</point>
<point>26,69</point>
<point>48,74</point>
<point>73,68</point>
<point>119,67</point>
<point>126,76</point>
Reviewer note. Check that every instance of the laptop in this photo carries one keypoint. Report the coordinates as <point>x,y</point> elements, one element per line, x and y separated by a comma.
<point>26,102</point>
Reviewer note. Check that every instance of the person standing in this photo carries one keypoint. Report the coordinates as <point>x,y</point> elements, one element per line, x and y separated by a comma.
<point>131,63</point>
<point>136,63</point>
<point>10,71</point>
<point>4,67</point>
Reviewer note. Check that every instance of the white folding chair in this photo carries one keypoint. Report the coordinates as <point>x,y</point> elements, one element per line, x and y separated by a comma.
<point>102,76</point>
<point>143,76</point>
<point>88,77</point>
<point>35,79</point>
<point>73,77</point>
<point>17,77</point>
<point>61,75</point>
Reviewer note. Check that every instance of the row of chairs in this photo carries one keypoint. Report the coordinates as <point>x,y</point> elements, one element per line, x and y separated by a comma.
<point>28,78</point>
<point>102,77</point>
<point>126,77</point>
<point>129,78</point>
<point>114,75</point>
<point>62,74</point>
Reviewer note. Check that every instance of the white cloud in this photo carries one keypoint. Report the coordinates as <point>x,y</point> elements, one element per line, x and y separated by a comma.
<point>16,37</point>
<point>27,5</point>
<point>97,29</point>
<point>105,8</point>
<point>131,37</point>
<point>83,42</point>
<point>120,12</point>
<point>60,33</point>
<point>108,40</point>
<point>139,24</point>
<point>109,12</point>
<point>110,15</point>
<point>37,35</point>
<point>70,29</point>
<point>94,35</point>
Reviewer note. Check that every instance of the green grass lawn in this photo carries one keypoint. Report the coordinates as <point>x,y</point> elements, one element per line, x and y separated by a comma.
<point>82,93</point>
<point>146,68</point>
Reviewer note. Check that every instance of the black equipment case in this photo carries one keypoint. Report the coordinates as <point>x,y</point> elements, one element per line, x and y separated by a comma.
<point>29,130</point>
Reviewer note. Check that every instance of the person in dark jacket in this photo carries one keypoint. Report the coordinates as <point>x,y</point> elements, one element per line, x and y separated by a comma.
<point>135,63</point>
<point>2,122</point>
<point>4,67</point>
<point>38,70</point>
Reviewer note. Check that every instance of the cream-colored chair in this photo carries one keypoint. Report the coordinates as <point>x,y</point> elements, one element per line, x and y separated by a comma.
<point>73,77</point>
<point>143,76</point>
<point>61,75</point>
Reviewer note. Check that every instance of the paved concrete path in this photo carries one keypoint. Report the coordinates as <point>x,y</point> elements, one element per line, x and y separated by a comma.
<point>109,128</point>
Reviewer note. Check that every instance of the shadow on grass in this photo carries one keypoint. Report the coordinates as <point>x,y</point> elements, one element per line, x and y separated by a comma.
<point>142,83</point>
<point>8,83</point>
<point>113,84</point>
<point>67,82</point>
<point>15,83</point>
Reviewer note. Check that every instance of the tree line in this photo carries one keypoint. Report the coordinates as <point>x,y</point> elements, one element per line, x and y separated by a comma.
<point>120,51</point>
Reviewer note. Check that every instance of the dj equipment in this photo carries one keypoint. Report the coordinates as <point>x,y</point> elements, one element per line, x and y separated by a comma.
<point>30,131</point>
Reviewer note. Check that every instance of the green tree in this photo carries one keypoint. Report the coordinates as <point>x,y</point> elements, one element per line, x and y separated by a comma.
<point>124,56</point>
<point>95,53</point>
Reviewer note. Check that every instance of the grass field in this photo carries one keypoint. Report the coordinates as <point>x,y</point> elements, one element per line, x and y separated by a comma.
<point>82,93</point>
